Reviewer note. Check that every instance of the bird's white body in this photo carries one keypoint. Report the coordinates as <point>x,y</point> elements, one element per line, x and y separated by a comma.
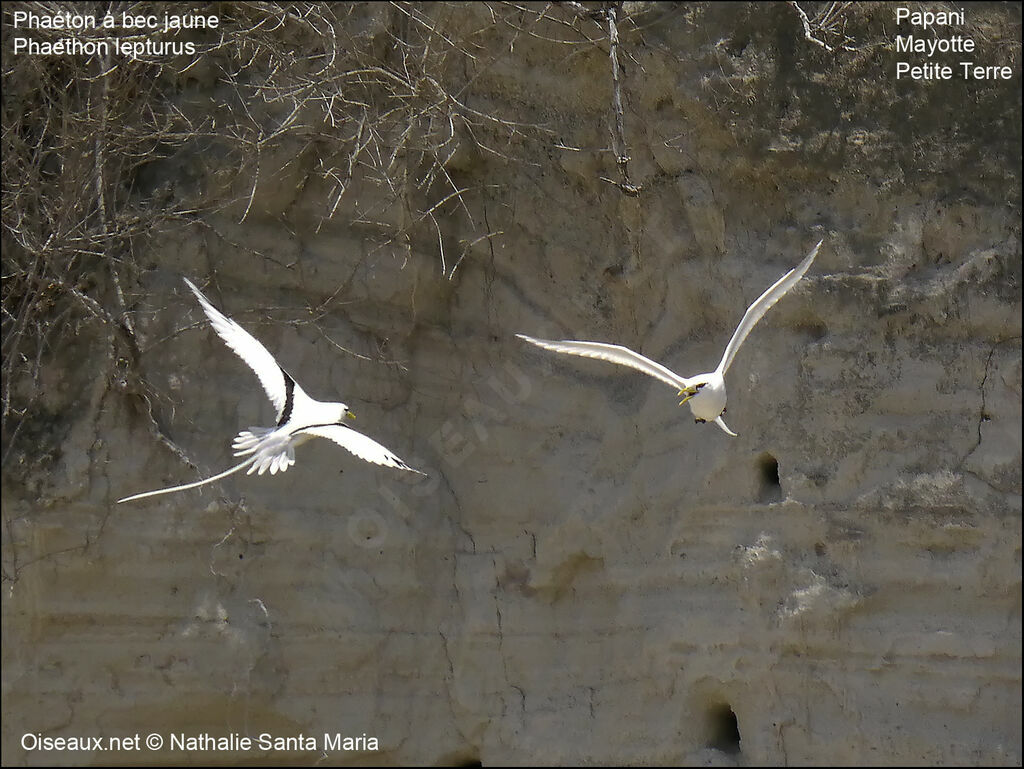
<point>299,417</point>
<point>704,392</point>
<point>708,403</point>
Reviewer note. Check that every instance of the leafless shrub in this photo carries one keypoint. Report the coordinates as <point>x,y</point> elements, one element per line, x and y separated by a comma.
<point>378,94</point>
<point>829,23</point>
<point>74,133</point>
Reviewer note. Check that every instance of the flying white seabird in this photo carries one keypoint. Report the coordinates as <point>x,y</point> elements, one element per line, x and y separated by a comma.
<point>705,392</point>
<point>299,417</point>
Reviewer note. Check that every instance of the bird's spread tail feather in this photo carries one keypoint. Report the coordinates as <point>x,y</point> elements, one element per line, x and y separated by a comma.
<point>275,453</point>
<point>247,441</point>
<point>276,459</point>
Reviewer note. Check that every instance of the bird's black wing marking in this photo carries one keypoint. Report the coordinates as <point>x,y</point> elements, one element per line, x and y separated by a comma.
<point>289,398</point>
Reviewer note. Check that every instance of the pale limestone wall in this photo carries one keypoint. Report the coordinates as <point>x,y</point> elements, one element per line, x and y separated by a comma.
<point>585,575</point>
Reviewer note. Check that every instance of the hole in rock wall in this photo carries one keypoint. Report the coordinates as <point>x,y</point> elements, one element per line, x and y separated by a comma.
<point>813,331</point>
<point>770,489</point>
<point>725,729</point>
<point>461,758</point>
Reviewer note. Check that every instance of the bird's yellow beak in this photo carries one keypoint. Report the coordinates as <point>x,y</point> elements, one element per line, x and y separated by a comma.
<point>350,415</point>
<point>688,393</point>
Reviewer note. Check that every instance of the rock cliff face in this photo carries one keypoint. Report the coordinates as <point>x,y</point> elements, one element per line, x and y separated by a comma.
<point>585,575</point>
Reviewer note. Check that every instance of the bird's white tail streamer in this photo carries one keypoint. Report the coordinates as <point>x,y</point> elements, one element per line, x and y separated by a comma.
<point>721,423</point>
<point>234,469</point>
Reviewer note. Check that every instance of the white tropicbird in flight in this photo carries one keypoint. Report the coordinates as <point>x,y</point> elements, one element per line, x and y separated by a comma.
<point>299,417</point>
<point>705,392</point>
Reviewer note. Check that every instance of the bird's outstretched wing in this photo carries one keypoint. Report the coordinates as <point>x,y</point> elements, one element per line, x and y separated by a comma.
<point>278,385</point>
<point>614,354</point>
<point>359,444</point>
<point>763,303</point>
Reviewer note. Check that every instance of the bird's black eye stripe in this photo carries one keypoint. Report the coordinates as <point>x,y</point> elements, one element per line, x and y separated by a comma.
<point>289,398</point>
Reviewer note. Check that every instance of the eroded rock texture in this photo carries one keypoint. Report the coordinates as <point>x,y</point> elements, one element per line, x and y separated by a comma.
<point>585,575</point>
